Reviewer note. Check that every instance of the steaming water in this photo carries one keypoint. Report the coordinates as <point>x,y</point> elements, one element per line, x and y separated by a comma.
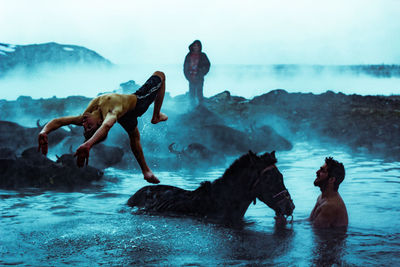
<point>242,80</point>
<point>94,226</point>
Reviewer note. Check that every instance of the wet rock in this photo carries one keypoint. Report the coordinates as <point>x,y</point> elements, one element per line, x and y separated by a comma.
<point>265,138</point>
<point>196,155</point>
<point>224,122</point>
<point>32,169</point>
<point>205,127</point>
<point>17,137</point>
<point>7,153</point>
<point>199,116</point>
<point>103,156</point>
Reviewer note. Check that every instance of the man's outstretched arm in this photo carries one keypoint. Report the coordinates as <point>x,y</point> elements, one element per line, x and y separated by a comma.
<point>54,125</point>
<point>82,153</point>
<point>137,150</point>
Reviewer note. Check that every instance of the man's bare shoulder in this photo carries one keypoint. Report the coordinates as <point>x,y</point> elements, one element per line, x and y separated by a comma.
<point>327,207</point>
<point>336,202</point>
<point>335,212</point>
<point>115,103</point>
<point>109,96</point>
<point>115,96</point>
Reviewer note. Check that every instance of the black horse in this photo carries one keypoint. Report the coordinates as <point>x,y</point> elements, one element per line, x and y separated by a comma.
<point>227,198</point>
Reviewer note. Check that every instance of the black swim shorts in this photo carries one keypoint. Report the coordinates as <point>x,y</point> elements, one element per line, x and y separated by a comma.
<point>145,96</point>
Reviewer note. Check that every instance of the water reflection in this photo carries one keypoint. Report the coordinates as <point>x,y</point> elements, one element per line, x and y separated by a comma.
<point>329,246</point>
<point>256,247</point>
<point>95,225</point>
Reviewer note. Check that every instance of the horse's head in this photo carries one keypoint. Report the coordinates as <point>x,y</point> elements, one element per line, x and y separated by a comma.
<point>268,185</point>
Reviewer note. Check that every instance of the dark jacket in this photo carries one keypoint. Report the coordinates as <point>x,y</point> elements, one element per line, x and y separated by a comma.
<point>203,66</point>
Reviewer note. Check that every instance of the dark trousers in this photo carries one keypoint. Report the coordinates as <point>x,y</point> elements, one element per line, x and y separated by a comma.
<point>196,90</point>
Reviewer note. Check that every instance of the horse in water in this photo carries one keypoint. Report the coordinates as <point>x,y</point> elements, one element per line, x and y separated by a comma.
<point>227,198</point>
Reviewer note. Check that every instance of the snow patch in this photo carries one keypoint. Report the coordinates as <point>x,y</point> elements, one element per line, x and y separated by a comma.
<point>7,48</point>
<point>68,48</point>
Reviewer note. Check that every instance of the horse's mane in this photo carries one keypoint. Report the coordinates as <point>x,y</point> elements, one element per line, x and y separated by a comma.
<point>235,167</point>
<point>229,175</point>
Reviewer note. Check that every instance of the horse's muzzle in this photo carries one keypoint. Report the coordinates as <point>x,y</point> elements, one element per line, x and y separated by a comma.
<point>284,205</point>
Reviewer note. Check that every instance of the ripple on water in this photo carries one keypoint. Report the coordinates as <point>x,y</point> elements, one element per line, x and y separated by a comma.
<point>106,195</point>
<point>96,226</point>
<point>58,207</point>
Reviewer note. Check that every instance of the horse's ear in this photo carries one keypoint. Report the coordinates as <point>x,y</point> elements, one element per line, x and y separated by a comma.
<point>273,154</point>
<point>252,157</point>
<point>251,153</point>
<point>267,155</point>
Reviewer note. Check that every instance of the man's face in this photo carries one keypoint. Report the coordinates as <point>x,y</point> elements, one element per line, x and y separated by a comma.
<point>90,123</point>
<point>196,48</point>
<point>322,176</point>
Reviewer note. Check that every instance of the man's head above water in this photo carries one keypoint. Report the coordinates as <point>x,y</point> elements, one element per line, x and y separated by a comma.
<point>331,173</point>
<point>330,210</point>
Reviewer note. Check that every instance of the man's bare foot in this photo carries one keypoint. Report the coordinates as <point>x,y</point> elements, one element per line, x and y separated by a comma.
<point>159,118</point>
<point>151,178</point>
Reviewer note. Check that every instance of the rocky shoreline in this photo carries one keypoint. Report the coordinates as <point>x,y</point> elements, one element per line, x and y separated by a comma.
<point>224,125</point>
<point>366,123</point>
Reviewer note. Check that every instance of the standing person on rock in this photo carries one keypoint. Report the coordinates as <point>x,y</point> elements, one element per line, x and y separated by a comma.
<point>105,110</point>
<point>195,67</point>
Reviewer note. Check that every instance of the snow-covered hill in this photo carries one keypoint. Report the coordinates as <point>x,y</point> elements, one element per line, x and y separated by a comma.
<point>31,57</point>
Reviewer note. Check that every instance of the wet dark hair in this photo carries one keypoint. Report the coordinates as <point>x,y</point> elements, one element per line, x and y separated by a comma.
<point>89,133</point>
<point>335,169</point>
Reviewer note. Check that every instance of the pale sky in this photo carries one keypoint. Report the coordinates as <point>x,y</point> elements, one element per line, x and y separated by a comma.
<point>232,31</point>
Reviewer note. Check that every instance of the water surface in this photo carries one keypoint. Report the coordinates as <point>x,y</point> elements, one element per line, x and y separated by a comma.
<point>94,226</point>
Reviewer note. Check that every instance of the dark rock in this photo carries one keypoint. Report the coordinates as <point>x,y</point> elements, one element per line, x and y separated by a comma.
<point>103,156</point>
<point>196,155</point>
<point>265,138</point>
<point>199,116</point>
<point>226,97</point>
<point>7,153</point>
<point>17,137</point>
<point>230,125</point>
<point>33,169</point>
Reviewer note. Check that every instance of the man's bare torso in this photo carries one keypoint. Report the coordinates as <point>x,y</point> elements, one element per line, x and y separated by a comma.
<point>117,104</point>
<point>329,212</point>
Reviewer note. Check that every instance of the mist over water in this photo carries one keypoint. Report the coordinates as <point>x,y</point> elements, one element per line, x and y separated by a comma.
<point>241,80</point>
<point>94,224</point>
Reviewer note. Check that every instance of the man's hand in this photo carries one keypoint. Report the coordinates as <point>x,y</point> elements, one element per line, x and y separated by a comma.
<point>150,177</point>
<point>43,143</point>
<point>82,154</point>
